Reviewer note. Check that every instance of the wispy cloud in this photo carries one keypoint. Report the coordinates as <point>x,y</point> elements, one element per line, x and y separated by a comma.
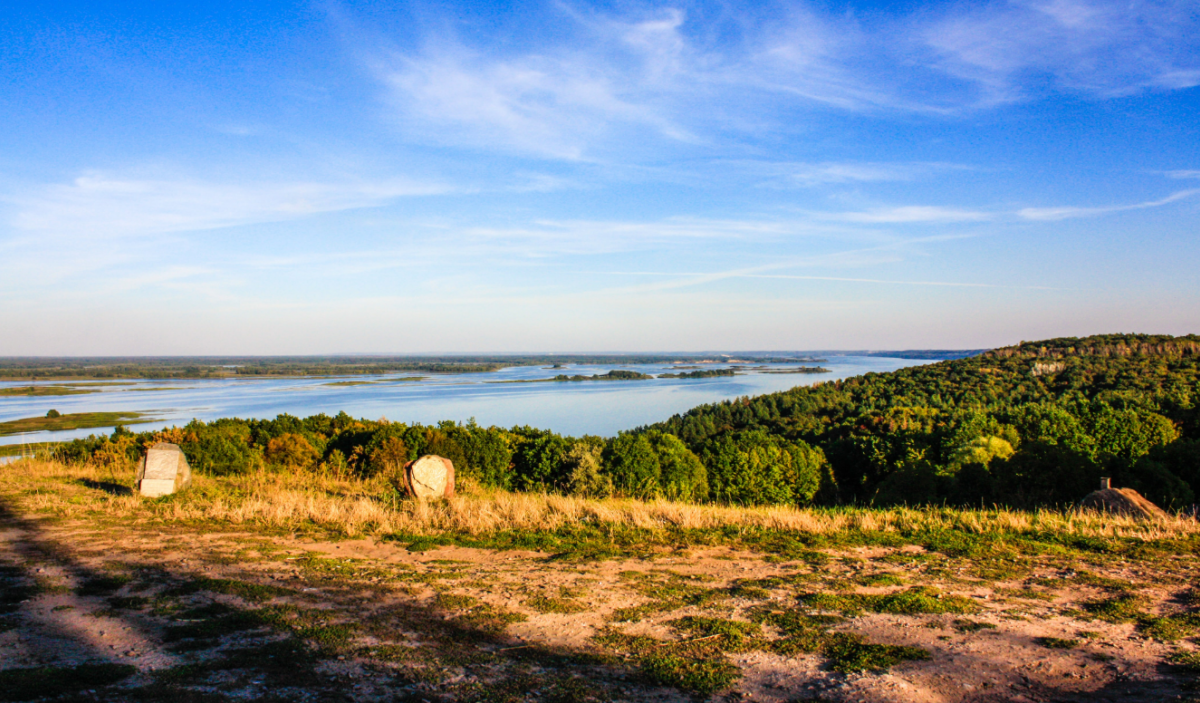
<point>1064,213</point>
<point>1183,174</point>
<point>705,76</point>
<point>908,214</point>
<point>552,104</point>
<point>1102,48</point>
<point>837,279</point>
<point>103,205</point>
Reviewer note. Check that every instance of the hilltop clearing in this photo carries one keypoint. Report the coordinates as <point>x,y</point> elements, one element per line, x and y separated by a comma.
<point>295,588</point>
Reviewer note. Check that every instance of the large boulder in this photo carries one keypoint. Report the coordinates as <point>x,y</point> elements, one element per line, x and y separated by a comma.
<point>163,470</point>
<point>430,476</point>
<point>1122,501</point>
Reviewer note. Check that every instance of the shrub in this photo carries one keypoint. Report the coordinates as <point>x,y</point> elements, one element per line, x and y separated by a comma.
<point>632,462</point>
<point>582,466</point>
<point>291,450</point>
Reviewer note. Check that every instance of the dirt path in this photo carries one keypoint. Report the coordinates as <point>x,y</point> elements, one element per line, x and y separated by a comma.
<point>147,613</point>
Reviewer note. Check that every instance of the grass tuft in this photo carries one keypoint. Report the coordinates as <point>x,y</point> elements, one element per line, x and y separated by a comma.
<point>48,682</point>
<point>1057,642</point>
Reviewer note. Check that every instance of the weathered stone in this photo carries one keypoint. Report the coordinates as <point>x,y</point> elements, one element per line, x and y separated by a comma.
<point>430,476</point>
<point>163,471</point>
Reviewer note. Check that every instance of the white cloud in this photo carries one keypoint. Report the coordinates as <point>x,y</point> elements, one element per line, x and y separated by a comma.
<point>552,104</point>
<point>1064,213</point>
<point>1102,48</point>
<point>103,205</point>
<point>1183,174</point>
<point>909,214</point>
<point>699,78</point>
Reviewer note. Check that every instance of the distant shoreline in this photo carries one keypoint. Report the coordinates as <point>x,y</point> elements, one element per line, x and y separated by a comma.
<point>65,369</point>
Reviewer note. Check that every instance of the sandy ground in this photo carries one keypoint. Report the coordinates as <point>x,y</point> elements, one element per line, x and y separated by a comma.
<point>994,654</point>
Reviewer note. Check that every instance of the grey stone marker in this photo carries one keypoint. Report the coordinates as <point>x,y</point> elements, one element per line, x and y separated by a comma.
<point>163,471</point>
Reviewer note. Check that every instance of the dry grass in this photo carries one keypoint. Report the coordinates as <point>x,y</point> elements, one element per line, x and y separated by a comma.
<point>284,500</point>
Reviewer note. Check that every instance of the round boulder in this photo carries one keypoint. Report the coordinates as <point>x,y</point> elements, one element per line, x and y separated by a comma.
<point>430,476</point>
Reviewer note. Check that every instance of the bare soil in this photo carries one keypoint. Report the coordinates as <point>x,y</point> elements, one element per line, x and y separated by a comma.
<point>183,615</point>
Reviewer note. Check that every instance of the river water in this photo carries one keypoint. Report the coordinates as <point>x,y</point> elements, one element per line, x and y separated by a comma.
<point>495,398</point>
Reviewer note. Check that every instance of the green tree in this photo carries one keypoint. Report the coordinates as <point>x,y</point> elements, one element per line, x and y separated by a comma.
<point>682,476</point>
<point>632,462</point>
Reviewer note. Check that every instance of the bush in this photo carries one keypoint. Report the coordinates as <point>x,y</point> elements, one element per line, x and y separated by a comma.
<point>221,447</point>
<point>632,462</point>
<point>537,459</point>
<point>292,451</point>
<point>584,475</point>
<point>682,475</point>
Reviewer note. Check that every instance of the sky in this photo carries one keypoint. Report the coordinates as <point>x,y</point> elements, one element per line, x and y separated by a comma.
<point>432,177</point>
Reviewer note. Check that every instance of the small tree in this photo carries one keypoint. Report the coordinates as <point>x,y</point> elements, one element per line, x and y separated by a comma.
<point>292,451</point>
<point>633,464</point>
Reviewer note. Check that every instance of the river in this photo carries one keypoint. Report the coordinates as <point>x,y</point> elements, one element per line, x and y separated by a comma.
<point>495,398</point>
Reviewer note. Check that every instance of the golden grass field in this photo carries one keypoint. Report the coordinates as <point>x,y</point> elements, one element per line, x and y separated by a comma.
<point>288,500</point>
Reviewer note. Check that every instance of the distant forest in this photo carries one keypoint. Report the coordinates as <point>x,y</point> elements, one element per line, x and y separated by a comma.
<point>47,368</point>
<point>1035,424</point>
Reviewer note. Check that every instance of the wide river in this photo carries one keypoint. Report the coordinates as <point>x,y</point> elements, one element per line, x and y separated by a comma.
<point>574,408</point>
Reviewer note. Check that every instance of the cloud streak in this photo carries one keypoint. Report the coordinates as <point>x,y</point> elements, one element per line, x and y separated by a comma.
<point>99,205</point>
<point>603,80</point>
<point>1054,214</point>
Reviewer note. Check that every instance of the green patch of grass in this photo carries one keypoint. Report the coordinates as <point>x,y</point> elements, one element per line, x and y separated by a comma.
<point>546,604</point>
<point>423,544</point>
<point>1108,584</point>
<point>700,676</point>
<point>1126,607</point>
<point>1090,635</point>
<point>102,585</point>
<point>920,600</point>
<point>201,627</point>
<point>329,638</point>
<point>1056,642</point>
<point>48,682</point>
<point>805,633</point>
<point>128,602</point>
<point>248,591</point>
<point>884,579</point>
<point>1024,594</point>
<point>726,635</point>
<point>701,671</point>
<point>849,652</point>
<point>965,625</point>
<point>486,621</point>
<point>451,601</point>
<point>1187,661</point>
<point>1170,627</point>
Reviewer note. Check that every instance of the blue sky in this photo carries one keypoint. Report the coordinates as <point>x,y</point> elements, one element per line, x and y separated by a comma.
<point>277,178</point>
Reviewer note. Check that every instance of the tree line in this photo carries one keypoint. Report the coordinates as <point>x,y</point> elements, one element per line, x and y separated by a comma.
<point>1032,425</point>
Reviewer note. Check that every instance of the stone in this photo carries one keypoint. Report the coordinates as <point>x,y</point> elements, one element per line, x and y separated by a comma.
<point>430,476</point>
<point>163,471</point>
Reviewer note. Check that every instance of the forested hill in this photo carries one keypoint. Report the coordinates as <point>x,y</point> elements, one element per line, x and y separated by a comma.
<point>1031,424</point>
<point>1025,426</point>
